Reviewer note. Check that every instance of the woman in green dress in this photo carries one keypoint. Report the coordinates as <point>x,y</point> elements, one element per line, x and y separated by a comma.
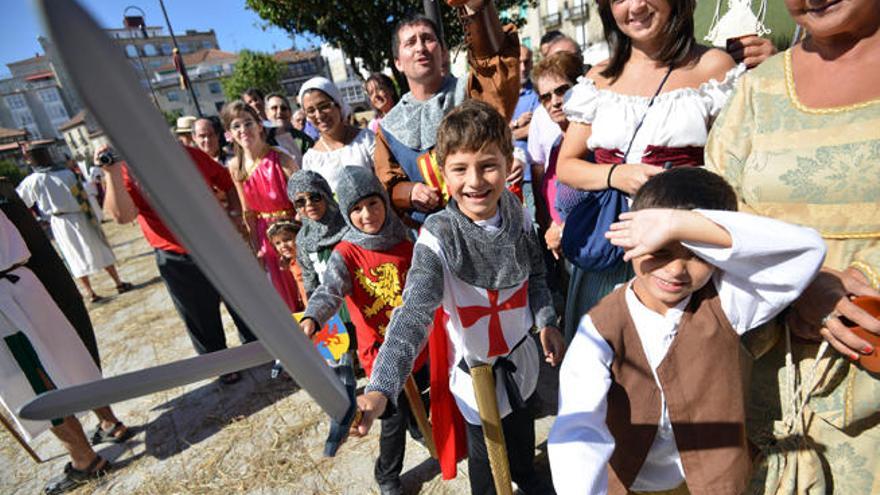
<point>800,141</point>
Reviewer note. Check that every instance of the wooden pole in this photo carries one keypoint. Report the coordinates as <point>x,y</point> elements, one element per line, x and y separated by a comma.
<point>12,431</point>
<point>418,410</point>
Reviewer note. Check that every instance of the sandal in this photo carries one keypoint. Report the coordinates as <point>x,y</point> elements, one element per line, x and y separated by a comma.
<point>124,287</point>
<point>230,378</point>
<point>72,477</point>
<point>101,435</point>
<point>94,298</point>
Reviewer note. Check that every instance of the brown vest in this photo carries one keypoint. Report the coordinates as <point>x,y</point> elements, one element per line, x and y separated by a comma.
<point>703,385</point>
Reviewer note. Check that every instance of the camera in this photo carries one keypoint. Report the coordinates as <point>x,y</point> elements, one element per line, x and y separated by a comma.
<point>107,158</point>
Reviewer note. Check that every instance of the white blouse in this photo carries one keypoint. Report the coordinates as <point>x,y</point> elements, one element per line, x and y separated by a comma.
<point>329,163</point>
<point>677,118</point>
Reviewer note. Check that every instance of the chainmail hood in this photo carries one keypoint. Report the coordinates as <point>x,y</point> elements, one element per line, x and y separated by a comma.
<point>355,184</point>
<point>327,231</point>
<point>414,123</point>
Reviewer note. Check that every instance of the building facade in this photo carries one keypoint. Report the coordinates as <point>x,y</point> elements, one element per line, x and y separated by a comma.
<point>205,69</point>
<point>298,67</point>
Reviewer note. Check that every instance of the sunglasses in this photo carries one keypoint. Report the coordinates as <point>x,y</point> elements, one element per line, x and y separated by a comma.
<point>559,91</point>
<point>312,198</point>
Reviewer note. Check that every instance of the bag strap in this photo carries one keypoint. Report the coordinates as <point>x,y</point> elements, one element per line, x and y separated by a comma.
<point>642,121</point>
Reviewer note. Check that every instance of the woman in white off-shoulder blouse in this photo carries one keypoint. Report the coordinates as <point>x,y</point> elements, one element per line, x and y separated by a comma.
<point>614,109</point>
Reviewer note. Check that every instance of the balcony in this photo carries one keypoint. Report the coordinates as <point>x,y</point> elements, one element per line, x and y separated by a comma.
<point>552,20</point>
<point>576,12</point>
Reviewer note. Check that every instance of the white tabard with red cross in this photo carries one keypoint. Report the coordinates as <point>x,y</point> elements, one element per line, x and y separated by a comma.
<point>482,326</point>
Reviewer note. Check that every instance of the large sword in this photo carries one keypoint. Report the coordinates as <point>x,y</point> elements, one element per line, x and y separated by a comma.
<point>112,92</point>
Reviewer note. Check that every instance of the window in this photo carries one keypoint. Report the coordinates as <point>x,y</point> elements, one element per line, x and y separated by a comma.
<point>185,47</point>
<point>15,102</point>
<point>150,50</point>
<point>131,51</point>
<point>155,64</point>
<point>49,95</point>
<point>167,48</point>
<point>206,44</point>
<point>215,88</point>
<point>173,96</point>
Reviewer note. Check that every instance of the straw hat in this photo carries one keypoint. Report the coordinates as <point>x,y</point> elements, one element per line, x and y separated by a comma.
<point>185,124</point>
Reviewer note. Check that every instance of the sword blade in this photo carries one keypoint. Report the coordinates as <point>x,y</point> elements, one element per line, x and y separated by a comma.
<point>107,84</point>
<point>126,386</point>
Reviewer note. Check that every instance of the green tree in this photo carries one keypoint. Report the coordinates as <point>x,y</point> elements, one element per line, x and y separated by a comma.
<point>253,70</point>
<point>171,116</point>
<point>10,170</point>
<point>363,28</point>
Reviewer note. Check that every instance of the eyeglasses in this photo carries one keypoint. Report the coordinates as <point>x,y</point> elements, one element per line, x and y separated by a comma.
<point>559,91</point>
<point>243,125</point>
<point>320,108</point>
<point>312,198</point>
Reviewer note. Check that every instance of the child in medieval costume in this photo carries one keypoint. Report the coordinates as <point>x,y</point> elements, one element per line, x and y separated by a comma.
<point>282,237</point>
<point>651,395</point>
<point>368,269</point>
<point>479,261</point>
<point>323,226</point>
<point>57,192</point>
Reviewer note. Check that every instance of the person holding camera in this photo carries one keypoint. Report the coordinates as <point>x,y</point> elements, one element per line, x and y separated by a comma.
<point>193,295</point>
<point>58,193</point>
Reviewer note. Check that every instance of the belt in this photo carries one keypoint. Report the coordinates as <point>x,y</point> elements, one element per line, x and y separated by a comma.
<point>5,274</point>
<point>507,370</point>
<point>270,215</point>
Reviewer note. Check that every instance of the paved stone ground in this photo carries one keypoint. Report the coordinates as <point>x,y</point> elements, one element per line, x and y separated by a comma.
<point>257,436</point>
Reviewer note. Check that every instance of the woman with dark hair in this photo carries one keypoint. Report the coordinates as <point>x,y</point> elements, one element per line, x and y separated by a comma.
<point>340,144</point>
<point>383,96</point>
<point>648,106</point>
<point>260,174</point>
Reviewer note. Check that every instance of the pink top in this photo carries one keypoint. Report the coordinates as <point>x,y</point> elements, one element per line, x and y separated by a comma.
<point>265,190</point>
<point>548,185</point>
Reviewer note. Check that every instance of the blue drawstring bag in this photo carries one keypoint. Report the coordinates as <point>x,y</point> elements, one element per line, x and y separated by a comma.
<point>588,215</point>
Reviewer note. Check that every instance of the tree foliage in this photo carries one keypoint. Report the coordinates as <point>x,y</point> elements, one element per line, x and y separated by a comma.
<point>361,28</point>
<point>9,170</point>
<point>253,70</point>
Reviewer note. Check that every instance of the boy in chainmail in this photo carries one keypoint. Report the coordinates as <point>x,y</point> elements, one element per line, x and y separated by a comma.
<point>480,262</point>
<point>368,269</point>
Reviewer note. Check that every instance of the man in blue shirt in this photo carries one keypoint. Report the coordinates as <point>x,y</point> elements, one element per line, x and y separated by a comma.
<point>519,124</point>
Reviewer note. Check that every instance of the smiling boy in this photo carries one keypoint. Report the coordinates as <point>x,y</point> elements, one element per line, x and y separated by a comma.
<point>651,395</point>
<point>479,261</point>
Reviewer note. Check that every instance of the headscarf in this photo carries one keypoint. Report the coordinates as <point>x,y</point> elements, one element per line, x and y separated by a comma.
<point>326,232</point>
<point>327,86</point>
<point>496,259</point>
<point>355,184</point>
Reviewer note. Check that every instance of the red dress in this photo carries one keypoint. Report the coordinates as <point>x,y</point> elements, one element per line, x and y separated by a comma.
<point>265,194</point>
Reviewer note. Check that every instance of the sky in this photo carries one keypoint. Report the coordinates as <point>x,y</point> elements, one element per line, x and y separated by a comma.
<point>236,27</point>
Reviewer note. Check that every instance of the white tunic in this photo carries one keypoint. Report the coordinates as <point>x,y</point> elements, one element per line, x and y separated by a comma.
<point>472,343</point>
<point>80,240</point>
<point>677,118</point>
<point>329,163</point>
<point>26,307</point>
<point>768,266</point>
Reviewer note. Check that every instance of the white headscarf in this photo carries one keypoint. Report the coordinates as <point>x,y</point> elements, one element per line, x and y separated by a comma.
<point>327,86</point>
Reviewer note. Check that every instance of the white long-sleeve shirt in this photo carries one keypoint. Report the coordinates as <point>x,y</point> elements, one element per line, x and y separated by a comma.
<point>768,266</point>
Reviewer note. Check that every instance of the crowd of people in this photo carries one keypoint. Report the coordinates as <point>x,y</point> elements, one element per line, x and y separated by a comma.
<point>679,231</point>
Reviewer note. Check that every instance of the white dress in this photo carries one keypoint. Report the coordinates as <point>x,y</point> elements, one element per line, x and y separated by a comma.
<point>329,163</point>
<point>678,118</point>
<point>80,239</point>
<point>26,308</point>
